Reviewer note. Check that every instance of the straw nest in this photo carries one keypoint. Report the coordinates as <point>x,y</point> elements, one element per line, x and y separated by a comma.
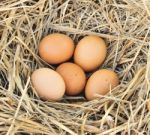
<point>124,24</point>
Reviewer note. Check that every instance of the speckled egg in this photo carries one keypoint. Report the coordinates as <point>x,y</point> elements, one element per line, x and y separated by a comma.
<point>100,83</point>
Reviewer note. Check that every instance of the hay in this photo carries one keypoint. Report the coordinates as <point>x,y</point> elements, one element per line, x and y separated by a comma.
<point>124,24</point>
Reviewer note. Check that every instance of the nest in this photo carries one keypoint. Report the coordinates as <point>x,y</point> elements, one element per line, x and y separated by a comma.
<point>124,24</point>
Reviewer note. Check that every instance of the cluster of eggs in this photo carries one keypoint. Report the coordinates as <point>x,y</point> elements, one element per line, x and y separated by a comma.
<point>70,78</point>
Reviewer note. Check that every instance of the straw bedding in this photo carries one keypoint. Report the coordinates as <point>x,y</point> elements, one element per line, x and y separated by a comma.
<point>124,24</point>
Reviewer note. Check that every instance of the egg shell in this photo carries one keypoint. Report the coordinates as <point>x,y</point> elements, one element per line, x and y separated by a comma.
<point>148,106</point>
<point>48,84</point>
<point>74,77</point>
<point>90,52</point>
<point>56,48</point>
<point>101,82</point>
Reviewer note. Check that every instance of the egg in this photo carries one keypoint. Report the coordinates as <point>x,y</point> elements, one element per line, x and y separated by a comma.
<point>56,48</point>
<point>48,84</point>
<point>148,106</point>
<point>90,52</point>
<point>101,82</point>
<point>73,76</point>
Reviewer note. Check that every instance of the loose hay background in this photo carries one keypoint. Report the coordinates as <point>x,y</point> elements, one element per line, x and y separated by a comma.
<point>124,24</point>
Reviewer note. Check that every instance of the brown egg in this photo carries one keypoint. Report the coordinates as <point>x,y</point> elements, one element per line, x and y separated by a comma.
<point>48,84</point>
<point>56,48</point>
<point>100,83</point>
<point>90,52</point>
<point>73,76</point>
<point>148,106</point>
